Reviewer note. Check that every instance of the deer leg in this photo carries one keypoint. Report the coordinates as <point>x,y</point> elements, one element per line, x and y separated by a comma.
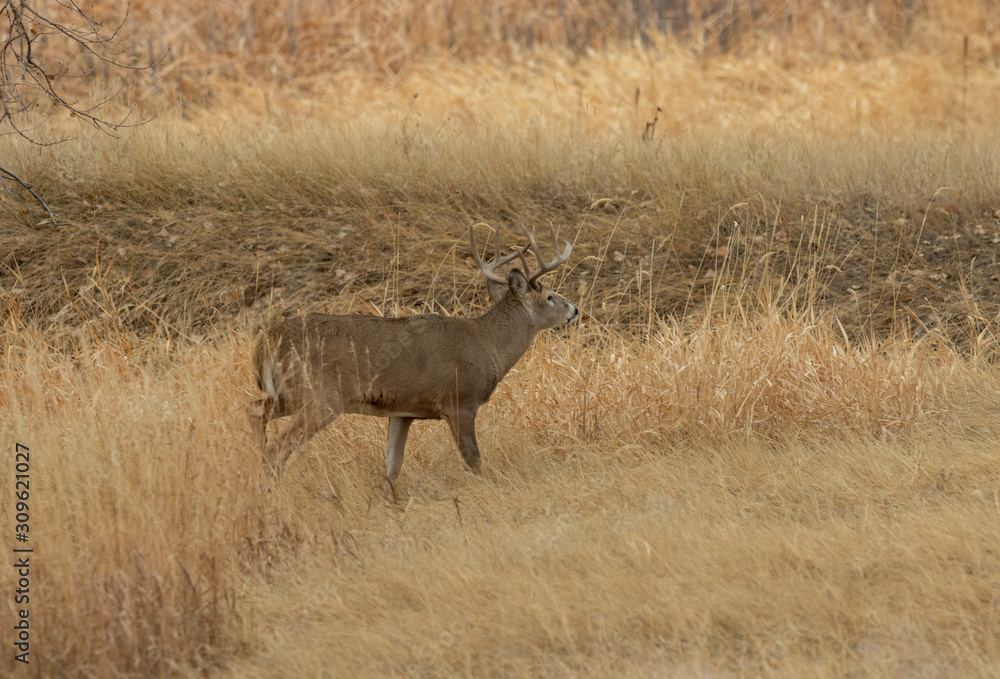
<point>257,414</point>
<point>463,429</point>
<point>261,412</point>
<point>306,424</point>
<point>399,428</point>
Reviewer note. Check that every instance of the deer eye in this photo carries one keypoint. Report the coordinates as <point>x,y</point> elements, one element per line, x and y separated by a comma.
<point>552,300</point>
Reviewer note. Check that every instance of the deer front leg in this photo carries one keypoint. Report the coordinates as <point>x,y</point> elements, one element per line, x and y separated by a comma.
<point>399,428</point>
<point>306,424</point>
<point>463,429</point>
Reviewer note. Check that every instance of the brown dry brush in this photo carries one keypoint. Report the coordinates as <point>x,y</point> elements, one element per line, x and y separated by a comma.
<point>189,43</point>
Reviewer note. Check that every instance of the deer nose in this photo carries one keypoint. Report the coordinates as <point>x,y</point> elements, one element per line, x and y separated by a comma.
<point>574,316</point>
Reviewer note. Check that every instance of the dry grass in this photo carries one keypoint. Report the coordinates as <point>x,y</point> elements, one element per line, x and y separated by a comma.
<point>742,496</point>
<point>772,451</point>
<point>191,43</point>
<point>837,65</point>
<point>878,232</point>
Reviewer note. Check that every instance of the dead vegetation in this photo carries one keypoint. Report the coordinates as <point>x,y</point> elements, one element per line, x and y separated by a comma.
<point>750,494</point>
<point>195,45</point>
<point>180,238</point>
<point>771,451</point>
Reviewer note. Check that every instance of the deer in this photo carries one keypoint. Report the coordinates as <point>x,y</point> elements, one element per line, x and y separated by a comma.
<point>317,367</point>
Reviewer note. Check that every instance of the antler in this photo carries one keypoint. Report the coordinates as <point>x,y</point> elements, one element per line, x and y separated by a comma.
<point>545,267</point>
<point>497,261</point>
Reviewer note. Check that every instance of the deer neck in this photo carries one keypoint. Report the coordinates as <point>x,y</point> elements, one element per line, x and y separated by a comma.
<point>508,332</point>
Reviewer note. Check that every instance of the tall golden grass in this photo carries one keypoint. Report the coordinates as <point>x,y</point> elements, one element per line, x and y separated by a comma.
<point>306,39</point>
<point>751,493</point>
<point>194,55</point>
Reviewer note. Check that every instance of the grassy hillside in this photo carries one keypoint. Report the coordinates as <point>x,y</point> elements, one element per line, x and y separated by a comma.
<point>179,231</point>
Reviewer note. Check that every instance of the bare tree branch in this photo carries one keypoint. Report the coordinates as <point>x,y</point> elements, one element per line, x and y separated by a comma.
<point>6,174</point>
<point>28,80</point>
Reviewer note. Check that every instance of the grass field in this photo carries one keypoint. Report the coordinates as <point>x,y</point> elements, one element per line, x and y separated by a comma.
<point>771,449</point>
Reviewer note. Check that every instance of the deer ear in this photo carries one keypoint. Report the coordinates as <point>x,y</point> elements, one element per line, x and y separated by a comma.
<point>495,290</point>
<point>517,283</point>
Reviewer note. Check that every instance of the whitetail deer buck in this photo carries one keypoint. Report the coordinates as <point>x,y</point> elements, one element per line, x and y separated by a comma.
<point>425,367</point>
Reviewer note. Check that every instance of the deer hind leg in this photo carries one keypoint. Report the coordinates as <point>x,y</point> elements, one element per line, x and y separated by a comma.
<point>399,429</point>
<point>256,413</point>
<point>262,411</point>
<point>306,423</point>
<point>463,429</point>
